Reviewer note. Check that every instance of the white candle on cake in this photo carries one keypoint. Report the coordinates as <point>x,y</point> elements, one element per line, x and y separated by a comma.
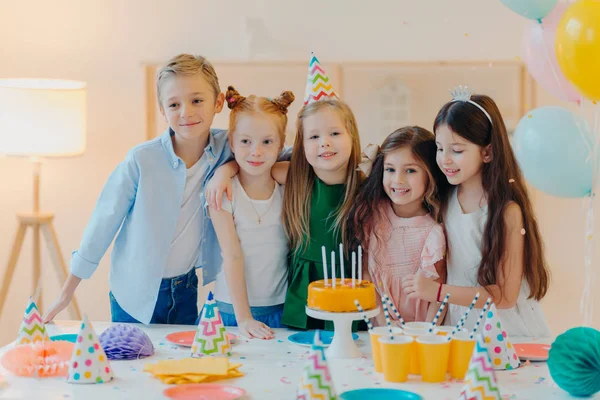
<point>324,254</point>
<point>333,269</point>
<point>353,270</point>
<point>342,263</point>
<point>359,265</point>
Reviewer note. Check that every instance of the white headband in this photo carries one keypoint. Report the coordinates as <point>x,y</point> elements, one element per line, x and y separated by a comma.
<point>464,94</point>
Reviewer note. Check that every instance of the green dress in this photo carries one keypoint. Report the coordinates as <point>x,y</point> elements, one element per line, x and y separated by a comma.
<point>307,267</point>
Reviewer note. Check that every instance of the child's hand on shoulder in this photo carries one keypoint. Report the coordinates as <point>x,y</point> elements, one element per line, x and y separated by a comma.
<point>254,329</point>
<point>419,286</point>
<point>220,183</point>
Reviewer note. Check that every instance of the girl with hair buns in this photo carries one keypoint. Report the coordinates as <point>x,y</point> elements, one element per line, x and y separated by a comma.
<point>250,289</point>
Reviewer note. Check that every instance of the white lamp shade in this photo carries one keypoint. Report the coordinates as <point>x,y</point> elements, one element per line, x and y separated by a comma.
<point>42,117</point>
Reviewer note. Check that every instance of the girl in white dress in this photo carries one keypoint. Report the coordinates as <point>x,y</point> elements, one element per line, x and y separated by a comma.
<point>494,244</point>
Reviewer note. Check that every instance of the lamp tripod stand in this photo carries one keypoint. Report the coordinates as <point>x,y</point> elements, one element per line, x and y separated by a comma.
<point>38,222</point>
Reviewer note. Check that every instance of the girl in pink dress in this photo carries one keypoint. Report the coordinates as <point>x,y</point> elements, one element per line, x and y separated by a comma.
<point>396,218</point>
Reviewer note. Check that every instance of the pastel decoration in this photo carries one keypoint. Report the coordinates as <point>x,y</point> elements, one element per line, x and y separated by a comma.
<point>89,363</point>
<point>32,329</point>
<point>318,85</point>
<point>501,350</point>
<point>315,382</point>
<point>573,361</point>
<point>554,148</point>
<point>480,381</point>
<point>532,9</point>
<point>211,338</point>
<point>41,359</point>
<point>126,342</point>
<point>540,57</point>
<point>577,46</point>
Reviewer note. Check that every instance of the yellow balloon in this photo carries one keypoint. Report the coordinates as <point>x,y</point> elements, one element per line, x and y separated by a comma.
<point>577,46</point>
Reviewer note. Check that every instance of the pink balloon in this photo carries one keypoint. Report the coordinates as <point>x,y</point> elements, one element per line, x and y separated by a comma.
<point>540,58</point>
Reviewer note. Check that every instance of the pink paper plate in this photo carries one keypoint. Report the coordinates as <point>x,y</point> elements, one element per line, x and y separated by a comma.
<point>186,338</point>
<point>532,351</point>
<point>204,391</point>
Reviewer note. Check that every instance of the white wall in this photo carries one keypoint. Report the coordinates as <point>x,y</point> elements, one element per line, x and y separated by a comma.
<point>106,42</point>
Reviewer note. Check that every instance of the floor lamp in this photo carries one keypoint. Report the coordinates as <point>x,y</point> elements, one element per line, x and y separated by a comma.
<point>40,118</point>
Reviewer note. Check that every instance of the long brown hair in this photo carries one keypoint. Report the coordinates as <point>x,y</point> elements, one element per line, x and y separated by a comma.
<point>367,214</point>
<point>503,183</point>
<point>301,178</point>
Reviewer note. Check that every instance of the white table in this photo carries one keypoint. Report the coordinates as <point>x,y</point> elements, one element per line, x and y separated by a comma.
<point>272,371</point>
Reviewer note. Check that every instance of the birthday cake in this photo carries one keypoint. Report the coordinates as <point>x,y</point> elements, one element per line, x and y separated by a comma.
<point>325,297</point>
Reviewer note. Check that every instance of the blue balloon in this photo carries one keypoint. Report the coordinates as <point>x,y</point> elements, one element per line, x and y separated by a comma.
<point>553,154</point>
<point>532,9</point>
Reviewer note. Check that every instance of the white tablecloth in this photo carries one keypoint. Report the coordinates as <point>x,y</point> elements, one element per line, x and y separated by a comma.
<point>272,370</point>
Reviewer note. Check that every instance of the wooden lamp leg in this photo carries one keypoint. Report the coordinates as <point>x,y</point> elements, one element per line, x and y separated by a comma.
<point>12,263</point>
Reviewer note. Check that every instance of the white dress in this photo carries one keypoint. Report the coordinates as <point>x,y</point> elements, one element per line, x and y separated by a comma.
<point>464,233</point>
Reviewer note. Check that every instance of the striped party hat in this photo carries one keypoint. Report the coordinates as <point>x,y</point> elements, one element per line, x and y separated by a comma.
<point>315,382</point>
<point>211,337</point>
<point>318,85</point>
<point>32,328</point>
<point>480,381</point>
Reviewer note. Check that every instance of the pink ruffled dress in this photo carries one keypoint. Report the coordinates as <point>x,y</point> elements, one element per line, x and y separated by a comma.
<point>407,245</point>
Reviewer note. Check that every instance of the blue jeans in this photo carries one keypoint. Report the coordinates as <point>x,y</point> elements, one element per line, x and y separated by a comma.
<point>268,315</point>
<point>177,302</point>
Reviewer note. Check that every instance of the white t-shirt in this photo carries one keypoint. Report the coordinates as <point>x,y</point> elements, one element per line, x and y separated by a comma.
<point>188,232</point>
<point>264,246</point>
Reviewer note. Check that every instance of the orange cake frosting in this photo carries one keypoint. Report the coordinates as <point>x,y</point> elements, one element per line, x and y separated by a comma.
<point>341,299</point>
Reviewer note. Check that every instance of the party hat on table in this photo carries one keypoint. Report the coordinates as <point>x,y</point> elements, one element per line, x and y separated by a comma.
<point>211,337</point>
<point>501,350</point>
<point>89,363</point>
<point>318,85</point>
<point>32,328</point>
<point>480,381</point>
<point>315,382</point>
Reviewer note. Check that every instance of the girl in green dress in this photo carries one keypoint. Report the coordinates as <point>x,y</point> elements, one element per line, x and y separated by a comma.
<point>321,185</point>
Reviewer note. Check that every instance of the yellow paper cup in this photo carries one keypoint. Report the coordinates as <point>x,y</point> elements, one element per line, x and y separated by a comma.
<point>461,350</point>
<point>375,334</point>
<point>415,368</point>
<point>417,325</point>
<point>395,357</point>
<point>434,352</point>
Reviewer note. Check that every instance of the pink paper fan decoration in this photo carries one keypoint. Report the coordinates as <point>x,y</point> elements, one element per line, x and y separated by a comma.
<point>49,358</point>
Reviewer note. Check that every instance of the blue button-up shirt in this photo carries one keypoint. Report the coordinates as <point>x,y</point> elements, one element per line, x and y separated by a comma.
<point>141,201</point>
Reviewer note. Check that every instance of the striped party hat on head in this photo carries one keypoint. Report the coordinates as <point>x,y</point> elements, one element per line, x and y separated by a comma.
<point>32,328</point>
<point>318,85</point>
<point>211,337</point>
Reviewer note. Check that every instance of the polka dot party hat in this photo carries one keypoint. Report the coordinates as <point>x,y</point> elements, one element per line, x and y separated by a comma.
<point>89,363</point>
<point>501,350</point>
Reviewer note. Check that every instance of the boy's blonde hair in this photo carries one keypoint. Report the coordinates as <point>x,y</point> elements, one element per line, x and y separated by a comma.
<point>301,178</point>
<point>187,64</point>
<point>277,108</point>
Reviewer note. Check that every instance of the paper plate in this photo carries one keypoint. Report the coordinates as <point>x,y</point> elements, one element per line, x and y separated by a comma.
<point>305,338</point>
<point>532,351</point>
<point>69,337</point>
<point>379,394</point>
<point>186,338</point>
<point>204,391</point>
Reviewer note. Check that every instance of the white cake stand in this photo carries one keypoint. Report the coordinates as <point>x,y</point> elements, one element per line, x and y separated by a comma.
<point>342,345</point>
